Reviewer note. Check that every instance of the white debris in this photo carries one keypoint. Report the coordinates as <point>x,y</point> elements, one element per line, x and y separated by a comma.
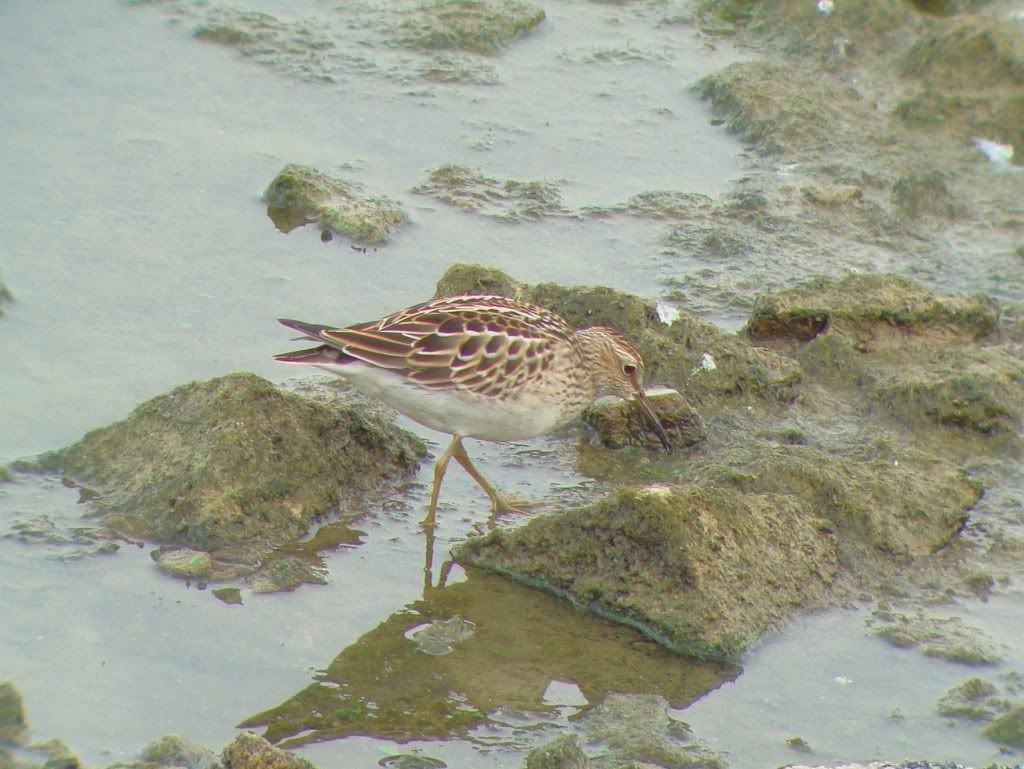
<point>1000,154</point>
<point>826,6</point>
<point>843,680</point>
<point>707,362</point>
<point>666,312</point>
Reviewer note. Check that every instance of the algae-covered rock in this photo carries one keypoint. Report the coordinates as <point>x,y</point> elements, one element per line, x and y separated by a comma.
<point>977,389</point>
<point>561,753</point>
<point>299,195</point>
<point>871,309</point>
<point>58,540</point>
<point>55,754</point>
<point>699,569</point>
<point>1008,729</point>
<point>479,26</point>
<point>636,730</point>
<point>250,751</point>
<point>234,466</point>
<point>185,563</point>
<point>507,199</point>
<point>13,727</point>
<point>910,505</point>
<point>285,573</point>
<point>674,354</point>
<point>948,638</point>
<point>172,750</point>
<point>783,108</point>
<point>229,595</point>
<point>620,423</point>
<point>299,48</point>
<point>973,700</point>
<point>924,194</point>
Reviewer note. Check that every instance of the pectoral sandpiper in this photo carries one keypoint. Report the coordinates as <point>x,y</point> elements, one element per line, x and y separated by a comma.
<point>483,367</point>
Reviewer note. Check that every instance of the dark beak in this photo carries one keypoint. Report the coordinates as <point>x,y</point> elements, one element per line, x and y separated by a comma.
<point>648,411</point>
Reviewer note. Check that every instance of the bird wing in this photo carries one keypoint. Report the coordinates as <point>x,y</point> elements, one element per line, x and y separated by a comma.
<point>487,345</point>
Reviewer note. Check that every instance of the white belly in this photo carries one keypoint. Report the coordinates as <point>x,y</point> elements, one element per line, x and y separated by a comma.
<point>457,411</point>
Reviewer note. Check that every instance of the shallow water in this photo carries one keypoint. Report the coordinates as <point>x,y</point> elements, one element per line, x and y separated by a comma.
<point>141,258</point>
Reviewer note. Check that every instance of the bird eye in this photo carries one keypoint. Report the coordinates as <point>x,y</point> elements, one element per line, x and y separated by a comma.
<point>629,369</point>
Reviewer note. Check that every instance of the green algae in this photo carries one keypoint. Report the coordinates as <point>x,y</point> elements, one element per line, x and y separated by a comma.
<point>234,466</point>
<point>13,727</point>
<point>173,750</point>
<point>974,699</point>
<point>384,685</point>
<point>685,565</point>
<point>508,199</point>
<point>477,26</point>
<point>229,595</point>
<point>1008,729</point>
<point>301,194</point>
<point>5,295</point>
<point>947,638</point>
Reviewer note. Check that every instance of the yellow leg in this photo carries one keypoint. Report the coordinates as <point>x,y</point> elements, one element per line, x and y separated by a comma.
<point>498,503</point>
<point>439,469</point>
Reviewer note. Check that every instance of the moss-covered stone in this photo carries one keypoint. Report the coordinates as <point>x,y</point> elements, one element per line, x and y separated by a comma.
<point>250,751</point>
<point>1008,729</point>
<point>782,108</point>
<point>561,753</point>
<point>234,466</point>
<point>621,423</point>
<point>479,26</point>
<point>13,728</point>
<point>172,750</point>
<point>980,390</point>
<point>507,199</point>
<point>55,754</point>
<point>873,310</point>
<point>185,563</point>
<point>299,195</point>
<point>910,506</point>
<point>689,566</point>
<point>229,595</point>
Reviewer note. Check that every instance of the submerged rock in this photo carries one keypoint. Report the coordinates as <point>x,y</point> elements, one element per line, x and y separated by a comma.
<point>508,199</point>
<point>1008,729</point>
<point>233,466</point>
<point>973,700</point>
<point>299,49</point>
<point>479,26</point>
<point>689,566</point>
<point>5,295</point>
<point>300,195</point>
<point>949,638</point>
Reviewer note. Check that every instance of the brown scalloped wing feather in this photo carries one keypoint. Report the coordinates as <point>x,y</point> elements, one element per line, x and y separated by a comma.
<point>488,345</point>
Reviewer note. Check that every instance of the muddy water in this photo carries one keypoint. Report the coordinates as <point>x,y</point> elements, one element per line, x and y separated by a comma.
<point>141,258</point>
